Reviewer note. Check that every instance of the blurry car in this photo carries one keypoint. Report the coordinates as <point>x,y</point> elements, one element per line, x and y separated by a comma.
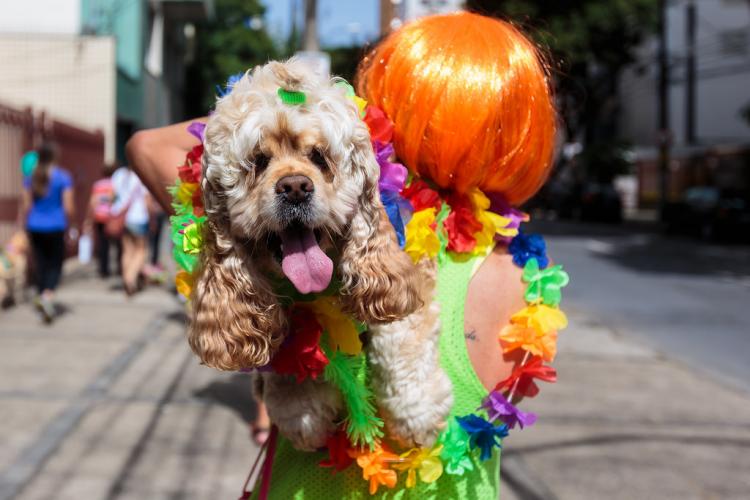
<point>600,202</point>
<point>711,213</point>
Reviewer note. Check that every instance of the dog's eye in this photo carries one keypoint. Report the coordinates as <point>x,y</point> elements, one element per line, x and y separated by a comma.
<point>318,159</point>
<point>261,162</point>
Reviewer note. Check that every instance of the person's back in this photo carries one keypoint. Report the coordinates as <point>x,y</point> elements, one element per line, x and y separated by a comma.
<point>48,209</point>
<point>102,197</point>
<point>47,213</point>
<point>130,195</point>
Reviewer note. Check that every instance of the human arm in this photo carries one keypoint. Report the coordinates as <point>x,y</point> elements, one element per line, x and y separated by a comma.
<point>68,202</point>
<point>155,154</point>
<point>25,207</point>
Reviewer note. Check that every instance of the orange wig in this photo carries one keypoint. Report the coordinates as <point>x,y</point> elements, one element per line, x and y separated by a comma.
<point>470,101</point>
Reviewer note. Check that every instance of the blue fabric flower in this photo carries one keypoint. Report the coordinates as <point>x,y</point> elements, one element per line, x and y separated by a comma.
<point>231,82</point>
<point>526,246</point>
<point>483,434</point>
<point>394,206</point>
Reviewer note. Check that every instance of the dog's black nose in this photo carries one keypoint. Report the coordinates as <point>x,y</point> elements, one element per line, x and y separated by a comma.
<point>295,188</point>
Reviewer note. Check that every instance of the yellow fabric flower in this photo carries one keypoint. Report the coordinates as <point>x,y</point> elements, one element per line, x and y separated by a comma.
<point>184,282</point>
<point>424,461</point>
<point>492,223</point>
<point>192,240</point>
<point>342,332</point>
<point>534,329</point>
<point>361,105</point>
<point>421,239</point>
<point>185,191</point>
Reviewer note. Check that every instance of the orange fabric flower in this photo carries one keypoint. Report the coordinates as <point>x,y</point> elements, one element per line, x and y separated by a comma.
<point>534,329</point>
<point>374,465</point>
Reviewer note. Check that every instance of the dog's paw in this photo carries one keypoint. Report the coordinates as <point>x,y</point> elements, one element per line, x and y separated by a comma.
<point>417,420</point>
<point>306,431</point>
<point>305,413</point>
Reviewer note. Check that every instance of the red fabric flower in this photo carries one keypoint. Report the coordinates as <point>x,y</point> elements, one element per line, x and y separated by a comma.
<point>381,128</point>
<point>421,196</point>
<point>198,209</point>
<point>301,355</point>
<point>338,452</point>
<point>461,225</point>
<point>525,375</point>
<point>191,170</point>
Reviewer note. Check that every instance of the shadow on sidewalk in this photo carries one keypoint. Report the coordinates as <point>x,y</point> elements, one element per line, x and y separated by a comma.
<point>235,393</point>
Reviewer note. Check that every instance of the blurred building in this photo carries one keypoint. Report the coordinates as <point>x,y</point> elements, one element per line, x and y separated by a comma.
<point>716,43</point>
<point>109,65</point>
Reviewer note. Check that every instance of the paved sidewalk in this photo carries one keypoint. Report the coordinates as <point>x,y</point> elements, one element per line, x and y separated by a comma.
<point>108,403</point>
<point>624,422</point>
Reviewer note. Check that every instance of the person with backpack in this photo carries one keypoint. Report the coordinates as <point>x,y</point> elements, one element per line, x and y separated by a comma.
<point>48,209</point>
<point>129,219</point>
<point>100,206</point>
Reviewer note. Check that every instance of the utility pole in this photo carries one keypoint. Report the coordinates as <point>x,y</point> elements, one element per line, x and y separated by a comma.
<point>386,16</point>
<point>310,42</point>
<point>690,16</point>
<point>664,134</point>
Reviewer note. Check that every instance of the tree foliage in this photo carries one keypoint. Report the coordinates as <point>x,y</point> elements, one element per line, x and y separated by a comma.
<point>589,43</point>
<point>226,45</point>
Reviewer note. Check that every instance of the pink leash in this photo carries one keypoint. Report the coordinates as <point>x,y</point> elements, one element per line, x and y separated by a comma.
<point>265,472</point>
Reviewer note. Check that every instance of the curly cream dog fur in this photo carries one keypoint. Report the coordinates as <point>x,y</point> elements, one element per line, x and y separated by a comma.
<point>259,153</point>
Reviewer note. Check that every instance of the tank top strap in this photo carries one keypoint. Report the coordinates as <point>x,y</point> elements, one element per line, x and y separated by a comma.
<point>453,280</point>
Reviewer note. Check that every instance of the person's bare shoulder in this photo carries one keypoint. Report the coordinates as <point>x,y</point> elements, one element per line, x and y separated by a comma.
<point>495,294</point>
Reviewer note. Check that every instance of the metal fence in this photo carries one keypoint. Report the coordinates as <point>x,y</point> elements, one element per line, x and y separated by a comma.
<point>80,152</point>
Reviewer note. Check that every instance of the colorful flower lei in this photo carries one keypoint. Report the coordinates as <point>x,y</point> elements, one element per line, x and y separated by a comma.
<point>323,342</point>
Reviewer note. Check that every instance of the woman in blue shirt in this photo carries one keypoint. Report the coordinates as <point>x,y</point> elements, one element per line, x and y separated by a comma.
<point>48,209</point>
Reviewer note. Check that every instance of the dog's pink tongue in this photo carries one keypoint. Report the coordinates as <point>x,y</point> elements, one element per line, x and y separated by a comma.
<point>303,262</point>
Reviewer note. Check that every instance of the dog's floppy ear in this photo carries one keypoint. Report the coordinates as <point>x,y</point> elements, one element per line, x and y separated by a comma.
<point>379,280</point>
<point>236,320</point>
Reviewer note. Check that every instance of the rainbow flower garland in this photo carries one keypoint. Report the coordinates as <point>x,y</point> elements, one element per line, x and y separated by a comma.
<point>323,342</point>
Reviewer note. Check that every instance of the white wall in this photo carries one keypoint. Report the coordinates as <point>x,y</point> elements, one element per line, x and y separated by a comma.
<point>72,78</point>
<point>40,16</point>
<point>722,77</point>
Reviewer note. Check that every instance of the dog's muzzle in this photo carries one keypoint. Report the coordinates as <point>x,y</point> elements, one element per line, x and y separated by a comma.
<point>294,195</point>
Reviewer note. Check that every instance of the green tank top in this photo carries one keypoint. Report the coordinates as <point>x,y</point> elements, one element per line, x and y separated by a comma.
<point>297,475</point>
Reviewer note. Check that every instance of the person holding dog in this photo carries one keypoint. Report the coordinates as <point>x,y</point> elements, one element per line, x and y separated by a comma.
<point>464,102</point>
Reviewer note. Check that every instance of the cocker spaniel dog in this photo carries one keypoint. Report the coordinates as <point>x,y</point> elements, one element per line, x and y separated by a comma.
<point>291,192</point>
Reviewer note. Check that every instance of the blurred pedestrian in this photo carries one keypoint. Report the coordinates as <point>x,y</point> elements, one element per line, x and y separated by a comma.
<point>153,271</point>
<point>47,206</point>
<point>100,206</point>
<point>131,206</point>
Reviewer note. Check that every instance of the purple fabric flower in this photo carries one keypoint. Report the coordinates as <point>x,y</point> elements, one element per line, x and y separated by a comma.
<point>501,207</point>
<point>499,408</point>
<point>392,179</point>
<point>392,175</point>
<point>527,246</point>
<point>483,434</point>
<point>197,129</point>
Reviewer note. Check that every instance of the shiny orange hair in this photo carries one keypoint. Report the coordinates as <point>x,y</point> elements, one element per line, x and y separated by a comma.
<point>470,101</point>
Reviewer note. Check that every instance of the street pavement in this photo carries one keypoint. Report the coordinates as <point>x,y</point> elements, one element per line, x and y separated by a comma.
<point>109,403</point>
<point>686,299</point>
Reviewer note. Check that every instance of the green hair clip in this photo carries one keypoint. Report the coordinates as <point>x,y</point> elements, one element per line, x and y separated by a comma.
<point>291,98</point>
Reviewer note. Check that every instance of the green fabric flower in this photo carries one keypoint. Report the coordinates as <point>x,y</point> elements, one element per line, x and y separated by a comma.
<point>456,454</point>
<point>544,284</point>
